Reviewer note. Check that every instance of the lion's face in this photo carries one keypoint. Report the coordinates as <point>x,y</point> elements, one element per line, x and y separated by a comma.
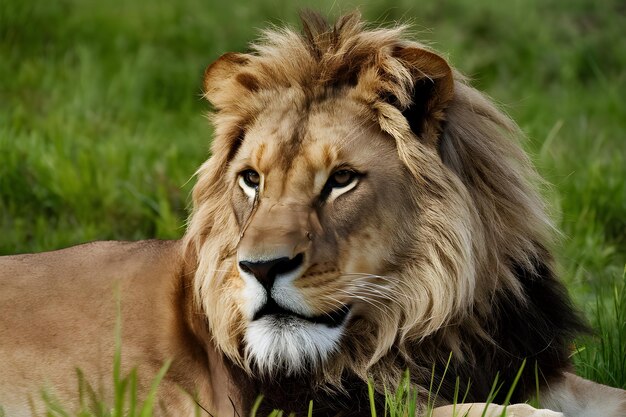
<point>338,217</point>
<point>311,193</point>
<point>329,233</point>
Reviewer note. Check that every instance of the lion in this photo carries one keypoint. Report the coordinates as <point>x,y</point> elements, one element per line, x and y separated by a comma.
<point>365,212</point>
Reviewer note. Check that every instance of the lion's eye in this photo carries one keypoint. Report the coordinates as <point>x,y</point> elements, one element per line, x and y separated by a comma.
<point>340,182</point>
<point>249,181</point>
<point>251,178</point>
<point>341,178</point>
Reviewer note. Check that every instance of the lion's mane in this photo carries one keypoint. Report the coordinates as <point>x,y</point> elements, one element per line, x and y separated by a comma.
<point>477,283</point>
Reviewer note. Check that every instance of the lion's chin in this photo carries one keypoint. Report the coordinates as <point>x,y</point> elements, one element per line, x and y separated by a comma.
<point>289,345</point>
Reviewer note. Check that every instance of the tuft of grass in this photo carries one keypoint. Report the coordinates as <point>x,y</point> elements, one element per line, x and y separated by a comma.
<point>401,402</point>
<point>602,357</point>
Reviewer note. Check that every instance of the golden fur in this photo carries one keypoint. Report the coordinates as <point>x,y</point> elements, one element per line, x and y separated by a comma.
<point>438,244</point>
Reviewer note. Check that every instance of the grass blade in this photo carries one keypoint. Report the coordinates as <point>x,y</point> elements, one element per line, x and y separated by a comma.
<point>148,405</point>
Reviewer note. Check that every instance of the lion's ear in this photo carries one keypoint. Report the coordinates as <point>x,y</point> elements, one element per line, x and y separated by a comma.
<point>226,79</point>
<point>432,91</point>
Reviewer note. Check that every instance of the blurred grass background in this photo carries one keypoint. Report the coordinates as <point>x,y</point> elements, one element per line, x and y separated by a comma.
<point>102,124</point>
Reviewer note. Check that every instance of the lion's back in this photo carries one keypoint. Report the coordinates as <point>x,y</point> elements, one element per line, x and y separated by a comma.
<point>52,284</point>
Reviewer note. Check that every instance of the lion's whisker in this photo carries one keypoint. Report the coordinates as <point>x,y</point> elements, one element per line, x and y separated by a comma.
<point>363,275</point>
<point>379,288</point>
<point>393,288</point>
<point>373,302</point>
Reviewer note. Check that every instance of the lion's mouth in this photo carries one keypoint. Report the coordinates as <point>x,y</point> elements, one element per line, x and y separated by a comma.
<point>330,319</point>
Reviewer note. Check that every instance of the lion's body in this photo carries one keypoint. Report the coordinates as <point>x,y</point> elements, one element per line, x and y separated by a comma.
<point>59,311</point>
<point>365,211</point>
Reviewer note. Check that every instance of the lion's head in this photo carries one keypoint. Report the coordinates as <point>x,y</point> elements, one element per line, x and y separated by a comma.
<point>360,197</point>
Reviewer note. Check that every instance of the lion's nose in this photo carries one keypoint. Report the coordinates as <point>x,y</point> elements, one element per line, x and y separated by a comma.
<point>266,271</point>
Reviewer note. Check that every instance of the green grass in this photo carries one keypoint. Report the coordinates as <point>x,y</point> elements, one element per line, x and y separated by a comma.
<point>102,126</point>
<point>604,358</point>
